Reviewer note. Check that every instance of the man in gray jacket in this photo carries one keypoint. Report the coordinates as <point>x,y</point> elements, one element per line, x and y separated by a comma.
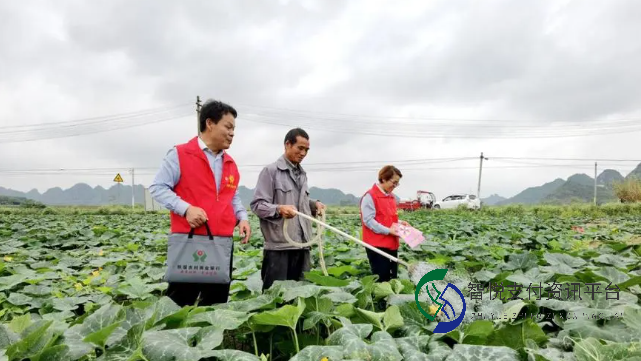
<point>280,190</point>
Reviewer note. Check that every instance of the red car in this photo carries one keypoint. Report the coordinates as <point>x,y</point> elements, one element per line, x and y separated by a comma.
<point>424,200</point>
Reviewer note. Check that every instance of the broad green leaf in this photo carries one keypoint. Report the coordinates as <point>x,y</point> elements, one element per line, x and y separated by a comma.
<point>302,291</point>
<point>287,315</point>
<point>222,319</point>
<point>353,345</point>
<point>127,348</point>
<point>341,297</point>
<point>591,349</point>
<point>392,318</point>
<point>34,338</point>
<point>8,337</point>
<point>172,345</point>
<point>413,348</point>
<point>523,261</point>
<point>318,353</point>
<point>477,332</point>
<point>374,318</point>
<point>477,352</point>
<point>327,281</point>
<point>338,271</point>
<point>53,353</point>
<point>383,347</point>
<point>612,274</point>
<point>233,355</point>
<point>382,290</point>
<point>20,323</point>
<point>250,305</point>
<point>515,336</point>
<point>96,329</point>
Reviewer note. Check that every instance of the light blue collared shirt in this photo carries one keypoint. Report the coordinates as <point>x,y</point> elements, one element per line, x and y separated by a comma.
<point>162,188</point>
<point>369,212</point>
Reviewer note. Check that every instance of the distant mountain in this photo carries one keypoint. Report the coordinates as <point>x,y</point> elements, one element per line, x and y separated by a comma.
<point>84,194</point>
<point>582,179</point>
<point>330,196</point>
<point>577,188</point>
<point>534,195</point>
<point>580,189</point>
<point>635,173</point>
<point>493,200</point>
<point>608,177</point>
<point>12,201</point>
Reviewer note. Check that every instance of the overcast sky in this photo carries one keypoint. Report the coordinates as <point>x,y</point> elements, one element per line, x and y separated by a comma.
<point>540,79</point>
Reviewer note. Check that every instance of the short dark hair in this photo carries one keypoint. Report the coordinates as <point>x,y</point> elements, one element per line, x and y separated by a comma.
<point>293,133</point>
<point>214,110</point>
<point>387,172</point>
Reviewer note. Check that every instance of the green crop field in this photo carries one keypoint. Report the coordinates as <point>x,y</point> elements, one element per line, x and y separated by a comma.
<point>77,284</point>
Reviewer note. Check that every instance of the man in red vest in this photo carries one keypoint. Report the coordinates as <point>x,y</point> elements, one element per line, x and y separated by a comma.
<point>198,182</point>
<point>378,213</point>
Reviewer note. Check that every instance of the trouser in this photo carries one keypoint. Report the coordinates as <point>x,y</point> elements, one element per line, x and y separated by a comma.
<point>385,268</point>
<point>206,294</point>
<point>284,265</point>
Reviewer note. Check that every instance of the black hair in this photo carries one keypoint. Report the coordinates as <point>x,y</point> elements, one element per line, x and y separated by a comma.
<point>292,134</point>
<point>214,110</point>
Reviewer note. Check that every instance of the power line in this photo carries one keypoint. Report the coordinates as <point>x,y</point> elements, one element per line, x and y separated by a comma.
<point>445,131</point>
<point>340,123</point>
<point>572,159</point>
<point>327,169</point>
<point>101,128</point>
<point>359,164</point>
<point>343,116</point>
<point>306,165</point>
<point>96,119</point>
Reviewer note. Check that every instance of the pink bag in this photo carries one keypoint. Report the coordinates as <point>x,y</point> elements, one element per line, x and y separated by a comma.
<point>412,236</point>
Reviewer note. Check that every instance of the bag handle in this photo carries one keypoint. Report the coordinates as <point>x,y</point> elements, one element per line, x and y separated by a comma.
<point>191,232</point>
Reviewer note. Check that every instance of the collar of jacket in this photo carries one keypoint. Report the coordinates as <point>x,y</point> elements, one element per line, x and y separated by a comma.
<point>283,164</point>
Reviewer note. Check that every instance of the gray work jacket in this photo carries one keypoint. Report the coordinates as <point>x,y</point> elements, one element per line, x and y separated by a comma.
<point>278,185</point>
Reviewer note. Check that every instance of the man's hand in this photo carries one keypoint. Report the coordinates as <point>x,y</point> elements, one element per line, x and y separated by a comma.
<point>287,211</point>
<point>245,230</point>
<point>196,217</point>
<point>320,208</point>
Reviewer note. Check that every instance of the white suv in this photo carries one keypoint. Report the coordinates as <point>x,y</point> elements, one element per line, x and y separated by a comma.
<point>456,200</point>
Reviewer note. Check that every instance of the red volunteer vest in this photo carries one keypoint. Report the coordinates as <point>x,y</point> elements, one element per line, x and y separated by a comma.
<point>386,214</point>
<point>197,186</point>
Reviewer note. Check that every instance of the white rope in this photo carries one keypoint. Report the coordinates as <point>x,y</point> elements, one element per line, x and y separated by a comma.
<point>318,239</point>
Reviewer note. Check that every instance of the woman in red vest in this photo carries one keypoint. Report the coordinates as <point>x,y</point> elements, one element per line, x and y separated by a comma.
<point>378,213</point>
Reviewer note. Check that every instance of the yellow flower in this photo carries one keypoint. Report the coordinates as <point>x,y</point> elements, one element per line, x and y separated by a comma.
<point>325,359</point>
<point>101,253</point>
<point>8,259</point>
<point>78,286</point>
<point>433,309</point>
<point>96,273</point>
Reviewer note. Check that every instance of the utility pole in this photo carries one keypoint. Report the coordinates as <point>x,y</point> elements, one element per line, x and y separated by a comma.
<point>198,114</point>
<point>132,190</point>
<point>595,183</point>
<point>478,191</point>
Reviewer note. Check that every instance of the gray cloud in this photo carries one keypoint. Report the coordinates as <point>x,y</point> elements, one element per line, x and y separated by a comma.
<point>538,61</point>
